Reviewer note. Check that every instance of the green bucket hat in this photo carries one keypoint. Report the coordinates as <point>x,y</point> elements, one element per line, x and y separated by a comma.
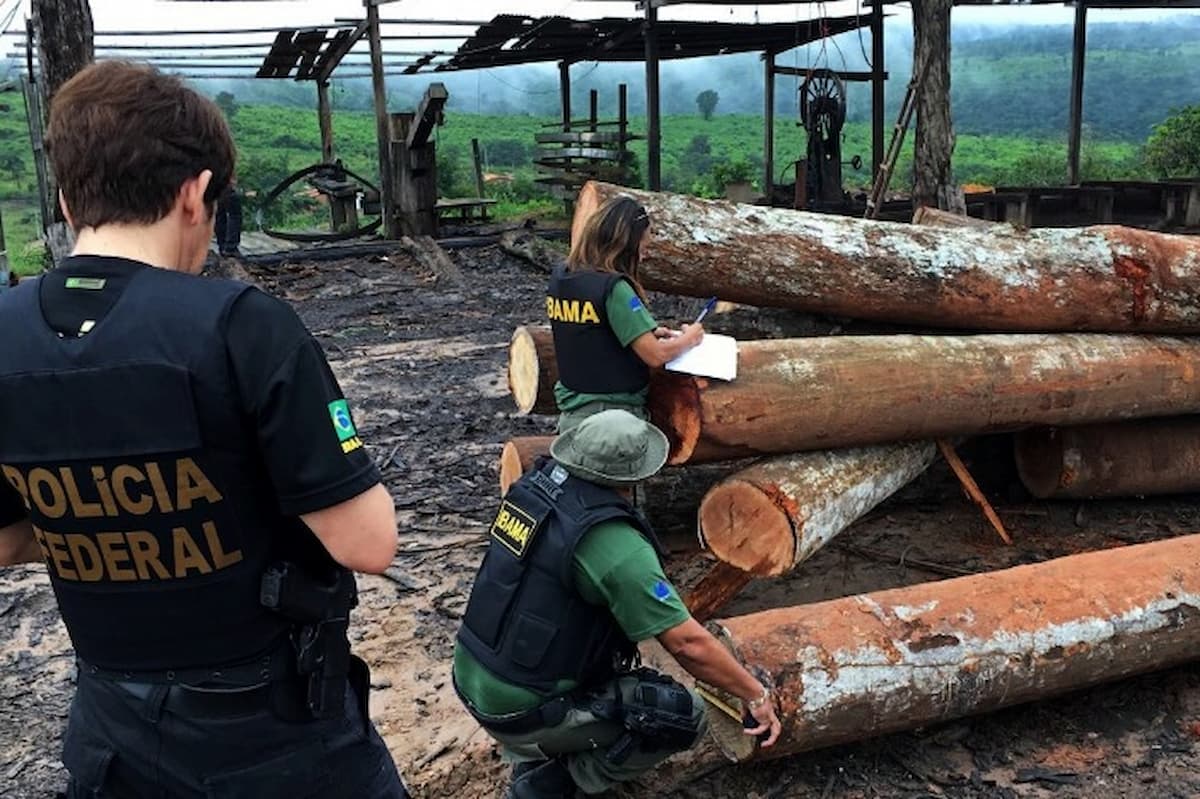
<point>612,448</point>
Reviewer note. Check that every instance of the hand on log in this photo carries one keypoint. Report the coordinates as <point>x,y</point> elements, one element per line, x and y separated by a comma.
<point>1104,279</point>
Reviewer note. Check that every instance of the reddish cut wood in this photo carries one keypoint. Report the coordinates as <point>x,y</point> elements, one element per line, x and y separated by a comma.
<point>871,664</point>
<point>1104,279</point>
<point>793,395</point>
<point>772,516</point>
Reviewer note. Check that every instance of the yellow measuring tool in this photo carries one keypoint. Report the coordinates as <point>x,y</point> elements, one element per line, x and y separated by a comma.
<point>719,703</point>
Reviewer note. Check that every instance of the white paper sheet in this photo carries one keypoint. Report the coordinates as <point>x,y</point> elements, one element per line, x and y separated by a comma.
<point>715,356</point>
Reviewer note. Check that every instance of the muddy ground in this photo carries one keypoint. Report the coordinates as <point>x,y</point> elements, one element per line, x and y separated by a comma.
<point>421,356</point>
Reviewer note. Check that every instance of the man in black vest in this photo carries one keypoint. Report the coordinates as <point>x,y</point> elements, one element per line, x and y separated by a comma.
<point>570,584</point>
<point>178,452</point>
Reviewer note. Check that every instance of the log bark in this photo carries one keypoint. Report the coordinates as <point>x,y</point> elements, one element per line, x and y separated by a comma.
<point>871,664</point>
<point>532,370</point>
<point>933,179</point>
<point>793,395</point>
<point>1125,459</point>
<point>769,518</point>
<point>1104,279</point>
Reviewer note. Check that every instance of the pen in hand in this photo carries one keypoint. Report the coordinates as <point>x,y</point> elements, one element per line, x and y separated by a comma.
<point>708,306</point>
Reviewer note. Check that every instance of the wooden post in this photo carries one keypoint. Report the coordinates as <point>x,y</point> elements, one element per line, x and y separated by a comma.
<point>653,119</point>
<point>325,119</point>
<point>564,93</point>
<point>415,179</point>
<point>768,125</point>
<point>1079,56</point>
<point>475,153</point>
<point>934,147</point>
<point>383,127</point>
<point>593,110</point>
<point>878,108</point>
<point>623,126</point>
<point>36,123</point>
<point>64,33</point>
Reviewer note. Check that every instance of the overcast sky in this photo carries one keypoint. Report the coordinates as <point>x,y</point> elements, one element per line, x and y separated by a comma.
<point>167,14</point>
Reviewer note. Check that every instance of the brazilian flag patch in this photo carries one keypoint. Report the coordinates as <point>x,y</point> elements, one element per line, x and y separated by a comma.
<point>343,425</point>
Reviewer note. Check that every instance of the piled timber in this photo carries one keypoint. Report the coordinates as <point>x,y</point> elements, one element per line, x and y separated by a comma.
<point>1103,279</point>
<point>1125,459</point>
<point>893,660</point>
<point>772,516</point>
<point>793,395</point>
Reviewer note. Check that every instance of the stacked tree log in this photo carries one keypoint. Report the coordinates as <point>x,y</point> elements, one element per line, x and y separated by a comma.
<point>1076,339</point>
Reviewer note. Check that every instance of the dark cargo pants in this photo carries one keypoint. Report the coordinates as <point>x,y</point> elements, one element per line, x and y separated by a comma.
<point>148,742</point>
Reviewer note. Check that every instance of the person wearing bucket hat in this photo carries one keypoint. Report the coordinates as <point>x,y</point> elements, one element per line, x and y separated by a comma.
<point>572,581</point>
<point>605,339</point>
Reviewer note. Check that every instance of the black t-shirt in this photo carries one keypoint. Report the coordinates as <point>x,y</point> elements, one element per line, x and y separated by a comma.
<point>285,384</point>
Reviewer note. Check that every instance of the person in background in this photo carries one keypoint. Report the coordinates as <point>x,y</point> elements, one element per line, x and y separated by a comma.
<point>229,221</point>
<point>605,338</point>
<point>570,584</point>
<point>177,451</point>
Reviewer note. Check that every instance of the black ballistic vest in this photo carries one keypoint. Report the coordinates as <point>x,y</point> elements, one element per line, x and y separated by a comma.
<point>525,621</point>
<point>590,358</point>
<point>148,498</point>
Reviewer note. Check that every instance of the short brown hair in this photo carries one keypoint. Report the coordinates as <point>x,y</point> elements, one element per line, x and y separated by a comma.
<point>124,137</point>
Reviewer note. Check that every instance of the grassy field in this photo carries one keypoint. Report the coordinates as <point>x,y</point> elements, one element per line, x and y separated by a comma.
<point>275,141</point>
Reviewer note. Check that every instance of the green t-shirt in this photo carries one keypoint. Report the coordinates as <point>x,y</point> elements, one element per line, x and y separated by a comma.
<point>614,567</point>
<point>628,318</point>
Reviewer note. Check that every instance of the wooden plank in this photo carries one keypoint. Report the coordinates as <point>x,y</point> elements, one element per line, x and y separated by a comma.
<point>768,124</point>
<point>594,153</point>
<point>325,120</point>
<point>428,115</point>
<point>478,162</point>
<point>1078,60</point>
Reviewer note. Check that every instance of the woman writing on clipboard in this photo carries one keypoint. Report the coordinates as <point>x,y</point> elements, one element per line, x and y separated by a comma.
<point>605,339</point>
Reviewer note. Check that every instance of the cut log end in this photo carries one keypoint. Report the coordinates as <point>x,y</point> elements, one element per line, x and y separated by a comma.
<point>532,389</point>
<point>518,457</point>
<point>674,407</point>
<point>744,526</point>
<point>1039,456</point>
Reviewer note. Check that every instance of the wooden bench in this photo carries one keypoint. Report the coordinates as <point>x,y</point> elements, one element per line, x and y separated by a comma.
<point>1019,204</point>
<point>467,207</point>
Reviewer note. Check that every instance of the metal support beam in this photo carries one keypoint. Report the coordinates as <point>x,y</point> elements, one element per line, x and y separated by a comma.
<point>564,93</point>
<point>878,80</point>
<point>383,128</point>
<point>849,77</point>
<point>653,117</point>
<point>768,125</point>
<point>1075,134</point>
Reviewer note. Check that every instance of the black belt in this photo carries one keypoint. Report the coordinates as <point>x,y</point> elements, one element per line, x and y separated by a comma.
<point>247,674</point>
<point>548,714</point>
<point>199,703</point>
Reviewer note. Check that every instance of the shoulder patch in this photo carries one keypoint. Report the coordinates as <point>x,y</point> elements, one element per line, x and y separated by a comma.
<point>635,303</point>
<point>662,591</point>
<point>343,425</point>
<point>514,528</point>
